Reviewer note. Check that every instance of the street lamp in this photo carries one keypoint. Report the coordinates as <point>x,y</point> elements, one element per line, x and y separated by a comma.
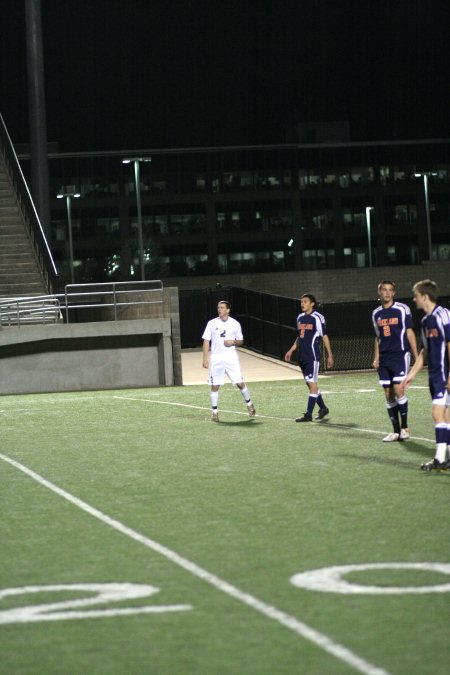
<point>425,175</point>
<point>369,236</point>
<point>68,196</point>
<point>136,161</point>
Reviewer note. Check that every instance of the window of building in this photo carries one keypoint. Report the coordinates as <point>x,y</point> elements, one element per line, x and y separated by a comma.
<point>362,175</point>
<point>403,174</point>
<point>355,216</point>
<point>246,179</point>
<point>385,175</point>
<point>308,178</point>
<point>108,225</point>
<point>317,214</point>
<point>329,177</point>
<point>161,224</point>
<point>200,182</point>
<point>318,258</point>
<point>344,179</point>
<point>267,180</point>
<point>405,214</point>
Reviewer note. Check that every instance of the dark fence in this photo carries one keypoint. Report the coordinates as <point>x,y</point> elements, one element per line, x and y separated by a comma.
<point>269,323</point>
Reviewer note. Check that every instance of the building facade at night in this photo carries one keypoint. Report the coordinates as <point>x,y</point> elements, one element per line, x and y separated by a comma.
<point>251,209</point>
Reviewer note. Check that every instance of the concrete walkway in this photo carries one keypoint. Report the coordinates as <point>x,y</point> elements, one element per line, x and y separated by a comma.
<point>255,368</point>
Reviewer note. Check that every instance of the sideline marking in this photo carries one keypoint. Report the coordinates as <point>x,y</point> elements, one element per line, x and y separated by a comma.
<point>112,592</point>
<point>269,417</point>
<point>329,579</point>
<point>320,639</point>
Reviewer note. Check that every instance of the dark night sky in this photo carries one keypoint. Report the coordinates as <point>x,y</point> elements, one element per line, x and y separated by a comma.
<point>124,74</point>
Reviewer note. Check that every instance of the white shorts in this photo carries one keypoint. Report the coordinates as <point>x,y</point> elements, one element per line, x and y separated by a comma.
<point>219,368</point>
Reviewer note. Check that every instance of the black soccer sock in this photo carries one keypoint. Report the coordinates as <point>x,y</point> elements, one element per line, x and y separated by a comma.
<point>312,398</point>
<point>403,409</point>
<point>320,401</point>
<point>392,409</point>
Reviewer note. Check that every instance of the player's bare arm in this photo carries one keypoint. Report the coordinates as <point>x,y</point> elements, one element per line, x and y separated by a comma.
<point>418,365</point>
<point>233,343</point>
<point>376,354</point>
<point>288,355</point>
<point>205,350</point>
<point>330,357</point>
<point>412,342</point>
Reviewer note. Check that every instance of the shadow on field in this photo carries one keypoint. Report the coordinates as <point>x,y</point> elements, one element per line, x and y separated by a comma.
<point>377,459</point>
<point>242,423</point>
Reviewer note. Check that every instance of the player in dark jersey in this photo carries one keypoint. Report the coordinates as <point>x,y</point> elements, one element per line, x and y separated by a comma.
<point>312,331</point>
<point>394,339</point>
<point>436,347</point>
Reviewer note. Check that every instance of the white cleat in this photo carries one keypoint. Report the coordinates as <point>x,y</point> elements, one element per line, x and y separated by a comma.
<point>404,434</point>
<point>390,438</point>
<point>251,410</point>
<point>215,417</point>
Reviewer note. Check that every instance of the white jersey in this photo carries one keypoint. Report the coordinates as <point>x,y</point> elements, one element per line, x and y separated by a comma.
<point>217,331</point>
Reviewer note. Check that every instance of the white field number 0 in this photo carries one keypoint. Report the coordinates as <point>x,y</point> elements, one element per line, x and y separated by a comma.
<point>71,609</point>
<point>330,579</point>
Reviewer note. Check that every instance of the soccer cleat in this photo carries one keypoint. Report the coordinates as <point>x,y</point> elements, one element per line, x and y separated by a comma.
<point>251,410</point>
<point>435,465</point>
<point>215,417</point>
<point>322,413</point>
<point>304,418</point>
<point>390,438</point>
<point>404,434</point>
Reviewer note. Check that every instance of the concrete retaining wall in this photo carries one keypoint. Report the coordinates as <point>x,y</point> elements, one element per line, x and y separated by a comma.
<point>96,355</point>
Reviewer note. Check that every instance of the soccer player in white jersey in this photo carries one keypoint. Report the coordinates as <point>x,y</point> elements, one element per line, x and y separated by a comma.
<point>394,340</point>
<point>436,348</point>
<point>312,330</point>
<point>220,338</point>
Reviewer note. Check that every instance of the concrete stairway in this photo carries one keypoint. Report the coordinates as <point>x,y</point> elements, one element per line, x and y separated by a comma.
<point>19,271</point>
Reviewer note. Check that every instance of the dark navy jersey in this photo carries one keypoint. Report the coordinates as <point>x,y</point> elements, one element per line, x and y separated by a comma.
<point>311,329</point>
<point>435,336</point>
<point>390,326</point>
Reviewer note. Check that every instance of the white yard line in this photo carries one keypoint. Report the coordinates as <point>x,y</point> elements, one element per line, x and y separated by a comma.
<point>303,630</point>
<point>323,425</point>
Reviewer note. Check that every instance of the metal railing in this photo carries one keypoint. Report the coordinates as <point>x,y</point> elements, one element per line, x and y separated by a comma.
<point>108,298</point>
<point>33,310</point>
<point>41,248</point>
<point>113,295</point>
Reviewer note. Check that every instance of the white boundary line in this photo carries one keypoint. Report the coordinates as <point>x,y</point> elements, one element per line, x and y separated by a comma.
<point>303,630</point>
<point>269,417</point>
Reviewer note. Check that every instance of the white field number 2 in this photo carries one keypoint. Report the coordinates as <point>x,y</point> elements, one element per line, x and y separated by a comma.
<point>98,594</point>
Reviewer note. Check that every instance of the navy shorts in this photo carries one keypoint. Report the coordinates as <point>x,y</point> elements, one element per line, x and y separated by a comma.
<point>393,368</point>
<point>310,370</point>
<point>438,388</point>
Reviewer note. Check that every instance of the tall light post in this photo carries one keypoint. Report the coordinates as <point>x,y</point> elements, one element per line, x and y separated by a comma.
<point>369,233</point>
<point>137,180</point>
<point>68,196</point>
<point>424,175</point>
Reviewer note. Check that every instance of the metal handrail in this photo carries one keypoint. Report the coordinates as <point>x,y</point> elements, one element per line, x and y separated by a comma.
<point>22,308</point>
<point>40,245</point>
<point>114,287</point>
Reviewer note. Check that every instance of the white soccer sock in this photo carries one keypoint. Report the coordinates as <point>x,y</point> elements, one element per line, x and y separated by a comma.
<point>214,400</point>
<point>246,395</point>
<point>441,442</point>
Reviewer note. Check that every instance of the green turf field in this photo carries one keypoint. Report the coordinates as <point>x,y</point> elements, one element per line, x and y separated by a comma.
<point>142,538</point>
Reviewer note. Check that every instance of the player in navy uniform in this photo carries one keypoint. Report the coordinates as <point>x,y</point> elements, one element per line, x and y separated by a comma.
<point>436,347</point>
<point>394,339</point>
<point>220,338</point>
<point>312,331</point>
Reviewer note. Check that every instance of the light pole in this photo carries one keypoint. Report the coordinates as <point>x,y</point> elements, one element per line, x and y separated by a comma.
<point>68,196</point>
<point>137,180</point>
<point>425,175</point>
<point>369,234</point>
